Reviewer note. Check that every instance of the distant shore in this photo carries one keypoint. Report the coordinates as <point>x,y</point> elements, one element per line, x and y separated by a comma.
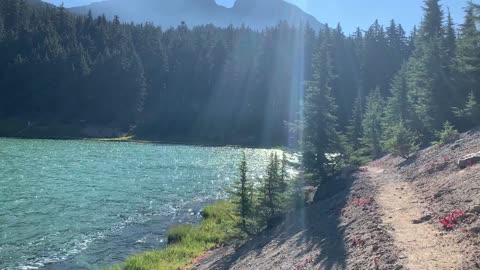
<point>132,139</point>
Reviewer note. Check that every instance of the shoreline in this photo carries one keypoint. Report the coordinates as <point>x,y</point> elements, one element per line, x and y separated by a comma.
<point>127,139</point>
<point>131,139</point>
<point>188,244</point>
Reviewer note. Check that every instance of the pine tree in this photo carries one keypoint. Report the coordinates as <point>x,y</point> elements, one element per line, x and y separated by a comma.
<point>359,47</point>
<point>272,191</point>
<point>412,39</point>
<point>431,27</point>
<point>401,141</point>
<point>398,107</point>
<point>429,90</point>
<point>376,59</point>
<point>372,123</point>
<point>240,81</point>
<point>23,14</point>
<point>476,8</point>
<point>404,44</point>
<point>420,92</point>
<point>447,135</point>
<point>469,116</point>
<point>320,136</point>
<point>11,16</point>
<point>2,29</point>
<point>283,173</point>
<point>468,54</point>
<point>355,130</point>
<point>450,40</point>
<point>472,110</point>
<point>116,21</point>
<point>242,194</point>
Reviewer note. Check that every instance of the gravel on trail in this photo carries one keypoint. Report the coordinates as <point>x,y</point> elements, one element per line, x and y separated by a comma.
<point>386,216</point>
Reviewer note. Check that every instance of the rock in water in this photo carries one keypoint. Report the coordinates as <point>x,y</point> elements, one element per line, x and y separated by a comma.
<point>469,160</point>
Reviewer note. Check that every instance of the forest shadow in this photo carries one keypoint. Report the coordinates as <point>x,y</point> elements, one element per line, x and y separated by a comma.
<point>312,236</point>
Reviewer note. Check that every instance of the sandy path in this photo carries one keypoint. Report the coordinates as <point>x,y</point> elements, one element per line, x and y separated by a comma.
<point>423,246</point>
<point>337,234</point>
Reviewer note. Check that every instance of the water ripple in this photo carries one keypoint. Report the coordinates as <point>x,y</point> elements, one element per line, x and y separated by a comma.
<point>83,205</point>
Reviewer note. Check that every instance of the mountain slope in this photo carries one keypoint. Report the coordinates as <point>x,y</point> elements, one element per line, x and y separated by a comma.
<point>252,13</point>
<point>386,216</point>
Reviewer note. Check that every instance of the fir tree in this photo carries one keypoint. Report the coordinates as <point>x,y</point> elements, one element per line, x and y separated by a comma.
<point>401,141</point>
<point>242,196</point>
<point>372,123</point>
<point>468,54</point>
<point>469,115</point>
<point>412,39</point>
<point>2,29</point>
<point>283,173</point>
<point>428,87</point>
<point>431,27</point>
<point>242,86</point>
<point>376,55</point>
<point>320,135</point>
<point>355,130</point>
<point>450,39</point>
<point>447,135</point>
<point>272,191</point>
<point>398,106</point>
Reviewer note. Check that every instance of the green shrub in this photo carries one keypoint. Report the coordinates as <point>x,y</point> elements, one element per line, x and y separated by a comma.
<point>178,233</point>
<point>401,142</point>
<point>186,242</point>
<point>448,135</point>
<point>360,157</point>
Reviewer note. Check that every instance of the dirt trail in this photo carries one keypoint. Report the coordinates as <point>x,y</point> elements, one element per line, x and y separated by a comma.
<point>422,245</point>
<point>366,221</point>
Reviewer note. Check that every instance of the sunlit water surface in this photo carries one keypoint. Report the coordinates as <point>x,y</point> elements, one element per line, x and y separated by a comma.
<point>86,204</point>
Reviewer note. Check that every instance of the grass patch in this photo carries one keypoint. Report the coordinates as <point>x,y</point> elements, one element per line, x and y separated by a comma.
<point>187,242</point>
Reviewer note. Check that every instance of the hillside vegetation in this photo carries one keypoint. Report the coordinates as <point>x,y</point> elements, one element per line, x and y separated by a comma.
<point>387,215</point>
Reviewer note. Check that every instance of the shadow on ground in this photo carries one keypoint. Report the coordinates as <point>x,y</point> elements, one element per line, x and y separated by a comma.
<point>310,238</point>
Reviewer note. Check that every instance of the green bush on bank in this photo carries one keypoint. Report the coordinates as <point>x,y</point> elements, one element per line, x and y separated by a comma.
<point>187,242</point>
<point>249,211</point>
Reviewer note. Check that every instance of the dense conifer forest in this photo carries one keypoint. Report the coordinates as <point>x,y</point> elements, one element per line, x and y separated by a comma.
<point>383,89</point>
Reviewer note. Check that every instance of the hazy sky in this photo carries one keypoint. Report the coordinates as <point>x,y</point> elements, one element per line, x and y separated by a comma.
<point>352,13</point>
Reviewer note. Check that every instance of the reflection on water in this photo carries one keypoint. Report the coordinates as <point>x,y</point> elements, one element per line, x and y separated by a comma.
<point>84,204</point>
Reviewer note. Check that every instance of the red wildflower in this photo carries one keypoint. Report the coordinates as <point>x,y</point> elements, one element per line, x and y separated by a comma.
<point>362,202</point>
<point>451,219</point>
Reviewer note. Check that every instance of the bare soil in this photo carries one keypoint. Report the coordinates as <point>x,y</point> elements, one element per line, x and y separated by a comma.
<point>386,216</point>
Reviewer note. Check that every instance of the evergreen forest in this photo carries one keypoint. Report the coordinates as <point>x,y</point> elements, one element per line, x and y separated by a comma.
<point>377,90</point>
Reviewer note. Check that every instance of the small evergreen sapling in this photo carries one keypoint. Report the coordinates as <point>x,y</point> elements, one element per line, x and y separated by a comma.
<point>242,194</point>
<point>470,114</point>
<point>272,191</point>
<point>402,142</point>
<point>448,135</point>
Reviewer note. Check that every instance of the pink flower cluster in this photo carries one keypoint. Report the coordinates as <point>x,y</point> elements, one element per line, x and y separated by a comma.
<point>362,202</point>
<point>451,219</point>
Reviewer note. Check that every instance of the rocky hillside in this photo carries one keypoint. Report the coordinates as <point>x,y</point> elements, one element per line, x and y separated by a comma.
<point>422,213</point>
<point>252,13</point>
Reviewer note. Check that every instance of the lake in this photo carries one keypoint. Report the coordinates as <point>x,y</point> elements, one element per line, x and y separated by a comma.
<point>88,204</point>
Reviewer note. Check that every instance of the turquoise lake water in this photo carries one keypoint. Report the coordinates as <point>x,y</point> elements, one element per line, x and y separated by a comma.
<point>86,204</point>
